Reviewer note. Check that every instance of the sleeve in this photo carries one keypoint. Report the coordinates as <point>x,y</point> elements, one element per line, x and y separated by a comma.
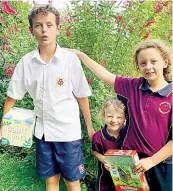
<point>125,85</point>
<point>16,88</point>
<point>79,81</point>
<point>169,138</point>
<point>170,127</point>
<point>96,145</point>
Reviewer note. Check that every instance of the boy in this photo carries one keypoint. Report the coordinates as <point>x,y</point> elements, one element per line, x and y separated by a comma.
<point>55,80</point>
<point>111,136</point>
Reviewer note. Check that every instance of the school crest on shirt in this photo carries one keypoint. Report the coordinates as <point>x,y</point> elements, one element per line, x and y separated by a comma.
<point>81,169</point>
<point>165,107</point>
<point>60,82</point>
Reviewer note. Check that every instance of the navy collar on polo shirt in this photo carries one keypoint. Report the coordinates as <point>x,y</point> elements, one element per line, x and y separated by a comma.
<point>106,135</point>
<point>163,92</point>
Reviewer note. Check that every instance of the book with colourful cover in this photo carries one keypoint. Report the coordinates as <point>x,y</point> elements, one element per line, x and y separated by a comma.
<point>17,127</point>
<point>123,177</point>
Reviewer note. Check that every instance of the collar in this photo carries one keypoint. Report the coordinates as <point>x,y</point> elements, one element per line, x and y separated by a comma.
<point>163,92</point>
<point>58,53</point>
<point>106,135</point>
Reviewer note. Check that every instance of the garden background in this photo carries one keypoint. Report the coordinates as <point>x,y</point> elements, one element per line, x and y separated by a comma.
<point>108,31</point>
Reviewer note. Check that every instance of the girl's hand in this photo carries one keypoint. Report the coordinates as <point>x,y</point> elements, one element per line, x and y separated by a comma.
<point>144,165</point>
<point>106,165</point>
<point>77,52</point>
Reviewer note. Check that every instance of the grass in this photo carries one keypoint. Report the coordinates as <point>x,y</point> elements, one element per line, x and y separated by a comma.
<point>17,175</point>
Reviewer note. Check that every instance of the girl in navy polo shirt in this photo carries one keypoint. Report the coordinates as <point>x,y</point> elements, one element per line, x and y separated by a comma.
<point>149,107</point>
<point>109,137</point>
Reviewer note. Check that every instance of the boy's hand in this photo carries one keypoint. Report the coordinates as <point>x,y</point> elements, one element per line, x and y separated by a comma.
<point>107,166</point>
<point>144,165</point>
<point>91,133</point>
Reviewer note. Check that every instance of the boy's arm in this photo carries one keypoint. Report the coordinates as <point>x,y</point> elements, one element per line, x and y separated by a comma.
<point>147,163</point>
<point>9,103</point>
<point>84,105</point>
<point>96,68</point>
<point>101,158</point>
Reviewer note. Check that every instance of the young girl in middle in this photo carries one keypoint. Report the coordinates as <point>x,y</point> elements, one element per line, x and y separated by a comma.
<point>109,137</point>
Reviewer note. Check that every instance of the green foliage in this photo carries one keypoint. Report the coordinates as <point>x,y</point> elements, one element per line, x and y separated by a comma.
<point>17,175</point>
<point>106,31</point>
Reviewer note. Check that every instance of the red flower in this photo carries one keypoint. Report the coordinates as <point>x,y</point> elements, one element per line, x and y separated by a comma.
<point>119,19</point>
<point>68,33</point>
<point>89,80</point>
<point>150,22</point>
<point>158,8</point>
<point>165,3</point>
<point>5,47</point>
<point>50,1</point>
<point>68,28</point>
<point>5,38</point>
<point>9,70</point>
<point>147,35</point>
<point>8,73</point>
<point>7,9</point>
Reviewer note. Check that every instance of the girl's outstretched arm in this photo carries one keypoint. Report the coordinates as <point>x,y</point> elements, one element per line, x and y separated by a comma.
<point>96,68</point>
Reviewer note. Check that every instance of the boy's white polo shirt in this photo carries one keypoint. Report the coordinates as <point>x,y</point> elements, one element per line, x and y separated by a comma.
<point>54,87</point>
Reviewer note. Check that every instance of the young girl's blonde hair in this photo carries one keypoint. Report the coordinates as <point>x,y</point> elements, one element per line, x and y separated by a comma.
<point>162,49</point>
<point>118,105</point>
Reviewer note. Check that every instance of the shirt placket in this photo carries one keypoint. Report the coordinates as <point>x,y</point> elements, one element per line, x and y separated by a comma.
<point>148,104</point>
<point>45,98</point>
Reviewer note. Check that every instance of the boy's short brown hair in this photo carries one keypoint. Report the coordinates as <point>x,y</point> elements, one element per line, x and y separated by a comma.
<point>45,9</point>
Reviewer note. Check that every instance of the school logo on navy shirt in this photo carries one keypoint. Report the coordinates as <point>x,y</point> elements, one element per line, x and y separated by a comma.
<point>164,107</point>
<point>60,82</point>
<point>81,169</point>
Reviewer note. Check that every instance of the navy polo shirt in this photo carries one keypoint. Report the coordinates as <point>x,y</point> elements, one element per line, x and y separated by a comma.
<point>101,142</point>
<point>149,124</point>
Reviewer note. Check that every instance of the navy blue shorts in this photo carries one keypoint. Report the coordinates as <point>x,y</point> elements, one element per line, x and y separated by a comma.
<point>65,158</point>
<point>160,177</point>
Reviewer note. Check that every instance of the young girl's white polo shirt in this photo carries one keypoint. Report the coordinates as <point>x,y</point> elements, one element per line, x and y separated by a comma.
<point>54,87</point>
